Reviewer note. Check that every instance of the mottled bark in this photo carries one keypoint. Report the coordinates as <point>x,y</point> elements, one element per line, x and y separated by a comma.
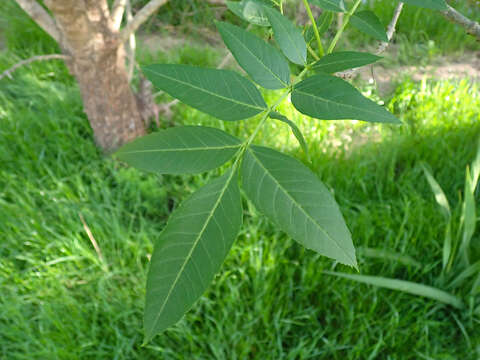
<point>98,63</point>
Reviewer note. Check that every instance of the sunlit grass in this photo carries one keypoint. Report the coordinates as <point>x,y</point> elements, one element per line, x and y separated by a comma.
<point>270,300</point>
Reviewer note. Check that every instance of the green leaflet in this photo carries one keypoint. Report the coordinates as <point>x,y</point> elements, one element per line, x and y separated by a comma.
<point>287,36</point>
<point>180,150</point>
<point>331,5</point>
<point>297,201</point>
<point>327,97</point>
<point>369,23</point>
<point>190,250</point>
<point>295,130</point>
<point>265,64</point>
<point>220,93</point>
<point>323,24</point>
<point>250,11</point>
<point>403,286</point>
<point>344,60</point>
<point>429,4</point>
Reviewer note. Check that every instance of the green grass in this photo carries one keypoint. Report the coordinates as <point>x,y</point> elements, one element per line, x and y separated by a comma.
<point>58,300</point>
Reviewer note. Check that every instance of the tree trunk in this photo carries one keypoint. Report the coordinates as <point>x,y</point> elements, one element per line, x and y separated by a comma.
<point>98,63</point>
<point>109,102</point>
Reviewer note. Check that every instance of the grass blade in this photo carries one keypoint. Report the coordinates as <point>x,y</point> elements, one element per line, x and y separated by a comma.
<point>438,193</point>
<point>464,275</point>
<point>476,168</point>
<point>403,286</point>
<point>468,216</point>
<point>389,255</point>
<point>447,247</point>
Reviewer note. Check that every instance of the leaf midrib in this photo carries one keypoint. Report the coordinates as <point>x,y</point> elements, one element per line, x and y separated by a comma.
<point>195,243</point>
<point>207,91</point>
<point>353,262</point>
<point>181,149</point>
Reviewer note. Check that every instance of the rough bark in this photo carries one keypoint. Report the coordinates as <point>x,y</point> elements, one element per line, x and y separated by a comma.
<point>98,64</point>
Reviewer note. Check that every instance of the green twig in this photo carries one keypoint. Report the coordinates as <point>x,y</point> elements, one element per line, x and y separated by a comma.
<point>315,28</point>
<point>267,112</point>
<point>339,33</point>
<point>313,53</point>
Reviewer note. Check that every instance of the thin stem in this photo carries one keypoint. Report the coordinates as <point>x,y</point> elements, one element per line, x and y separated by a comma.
<point>313,53</point>
<point>8,72</point>
<point>249,141</point>
<point>301,75</point>
<point>315,28</point>
<point>344,25</point>
<point>281,6</point>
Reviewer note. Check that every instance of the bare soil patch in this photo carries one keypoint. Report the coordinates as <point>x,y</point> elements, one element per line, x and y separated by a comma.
<point>465,67</point>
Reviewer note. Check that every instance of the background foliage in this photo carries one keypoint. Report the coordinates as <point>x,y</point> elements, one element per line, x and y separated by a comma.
<point>271,300</point>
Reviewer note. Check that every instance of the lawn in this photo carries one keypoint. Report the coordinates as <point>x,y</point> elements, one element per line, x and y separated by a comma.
<point>62,299</point>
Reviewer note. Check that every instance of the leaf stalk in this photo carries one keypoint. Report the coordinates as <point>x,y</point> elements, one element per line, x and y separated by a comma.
<point>321,51</point>
<point>267,112</point>
<point>339,33</point>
